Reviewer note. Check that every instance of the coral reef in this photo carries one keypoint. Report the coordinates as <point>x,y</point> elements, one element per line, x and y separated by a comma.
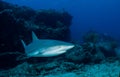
<point>64,69</point>
<point>95,48</point>
<point>86,60</point>
<point>97,56</point>
<point>17,22</point>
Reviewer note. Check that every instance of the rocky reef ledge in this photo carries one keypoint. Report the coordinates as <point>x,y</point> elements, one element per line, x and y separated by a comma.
<point>97,56</point>
<point>65,69</point>
<point>17,23</point>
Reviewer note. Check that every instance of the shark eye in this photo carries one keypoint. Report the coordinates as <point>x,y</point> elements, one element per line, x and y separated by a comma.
<point>58,46</point>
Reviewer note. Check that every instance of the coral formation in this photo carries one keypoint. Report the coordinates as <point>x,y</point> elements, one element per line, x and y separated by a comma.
<point>97,56</point>
<point>17,23</point>
<point>95,48</point>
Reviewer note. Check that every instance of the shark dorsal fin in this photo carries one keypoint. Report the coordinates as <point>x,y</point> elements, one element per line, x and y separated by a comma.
<point>23,43</point>
<point>34,37</point>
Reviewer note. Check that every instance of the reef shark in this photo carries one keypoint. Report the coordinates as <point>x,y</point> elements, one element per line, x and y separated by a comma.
<point>45,47</point>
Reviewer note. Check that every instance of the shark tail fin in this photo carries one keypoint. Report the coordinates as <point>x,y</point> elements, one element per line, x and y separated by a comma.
<point>34,37</point>
<point>23,43</point>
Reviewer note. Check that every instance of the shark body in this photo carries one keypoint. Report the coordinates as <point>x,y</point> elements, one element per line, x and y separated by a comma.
<point>45,47</point>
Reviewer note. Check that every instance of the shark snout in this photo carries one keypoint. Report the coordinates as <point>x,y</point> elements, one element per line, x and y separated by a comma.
<point>69,47</point>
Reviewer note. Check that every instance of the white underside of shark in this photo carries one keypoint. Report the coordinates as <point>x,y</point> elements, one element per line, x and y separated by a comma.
<point>45,47</point>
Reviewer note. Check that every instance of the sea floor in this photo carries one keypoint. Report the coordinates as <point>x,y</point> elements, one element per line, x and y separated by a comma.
<point>65,69</point>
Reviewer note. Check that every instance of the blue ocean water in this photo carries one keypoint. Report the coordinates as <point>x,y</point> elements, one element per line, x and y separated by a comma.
<point>99,15</point>
<point>23,53</point>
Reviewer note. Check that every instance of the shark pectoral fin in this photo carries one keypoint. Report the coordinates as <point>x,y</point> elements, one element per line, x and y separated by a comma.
<point>23,43</point>
<point>22,57</point>
<point>34,37</point>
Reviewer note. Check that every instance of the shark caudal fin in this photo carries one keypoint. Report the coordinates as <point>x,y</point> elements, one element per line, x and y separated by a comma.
<point>34,38</point>
<point>23,43</point>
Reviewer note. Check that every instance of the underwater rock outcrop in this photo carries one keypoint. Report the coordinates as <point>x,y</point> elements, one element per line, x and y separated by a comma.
<point>95,48</point>
<point>64,69</point>
<point>98,55</point>
<point>17,22</point>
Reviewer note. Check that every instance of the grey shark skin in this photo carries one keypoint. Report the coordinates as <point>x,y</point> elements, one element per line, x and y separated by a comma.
<point>45,47</point>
